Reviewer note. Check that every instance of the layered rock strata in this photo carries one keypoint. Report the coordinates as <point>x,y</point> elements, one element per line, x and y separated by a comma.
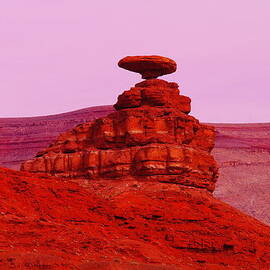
<point>21,138</point>
<point>150,137</point>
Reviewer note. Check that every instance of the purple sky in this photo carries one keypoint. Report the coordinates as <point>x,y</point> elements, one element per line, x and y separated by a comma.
<point>61,55</point>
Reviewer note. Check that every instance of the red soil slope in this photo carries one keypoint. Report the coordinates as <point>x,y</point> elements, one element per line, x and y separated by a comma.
<point>51,223</point>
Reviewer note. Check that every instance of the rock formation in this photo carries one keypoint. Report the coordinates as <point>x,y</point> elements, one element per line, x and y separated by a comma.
<point>150,137</point>
<point>150,67</point>
<point>139,198</point>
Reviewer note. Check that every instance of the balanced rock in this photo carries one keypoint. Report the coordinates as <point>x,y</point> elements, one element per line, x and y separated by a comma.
<point>150,67</point>
<point>150,137</point>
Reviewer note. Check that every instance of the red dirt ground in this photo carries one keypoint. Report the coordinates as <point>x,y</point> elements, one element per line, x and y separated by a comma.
<point>51,223</point>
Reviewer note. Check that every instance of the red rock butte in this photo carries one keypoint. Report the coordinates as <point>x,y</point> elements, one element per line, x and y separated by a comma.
<point>150,137</point>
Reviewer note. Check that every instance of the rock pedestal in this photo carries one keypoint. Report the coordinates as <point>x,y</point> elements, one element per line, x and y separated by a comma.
<point>145,205</point>
<point>150,137</point>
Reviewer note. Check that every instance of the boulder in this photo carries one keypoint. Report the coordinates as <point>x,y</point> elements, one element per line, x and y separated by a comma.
<point>150,67</point>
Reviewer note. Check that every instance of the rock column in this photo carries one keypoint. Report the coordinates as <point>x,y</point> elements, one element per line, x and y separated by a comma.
<point>150,137</point>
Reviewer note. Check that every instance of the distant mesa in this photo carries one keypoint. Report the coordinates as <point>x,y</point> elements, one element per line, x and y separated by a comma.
<point>150,67</point>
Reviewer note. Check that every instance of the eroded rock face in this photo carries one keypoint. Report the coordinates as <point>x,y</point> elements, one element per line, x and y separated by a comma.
<point>21,138</point>
<point>150,137</point>
<point>154,93</point>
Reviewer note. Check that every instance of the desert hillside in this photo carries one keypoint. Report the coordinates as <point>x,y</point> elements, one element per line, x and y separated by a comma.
<point>53,223</point>
<point>243,153</point>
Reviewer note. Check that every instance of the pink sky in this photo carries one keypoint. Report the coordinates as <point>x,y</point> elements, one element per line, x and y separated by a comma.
<point>61,55</point>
